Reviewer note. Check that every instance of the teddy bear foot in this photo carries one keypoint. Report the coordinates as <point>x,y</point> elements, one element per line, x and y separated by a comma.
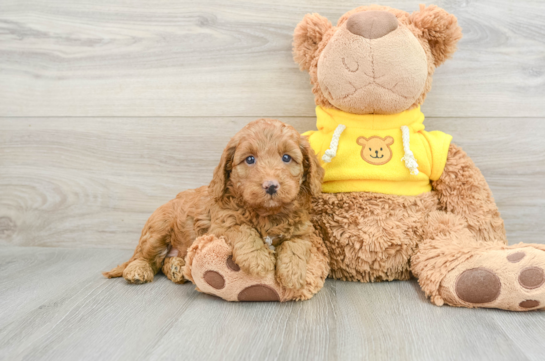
<point>512,278</point>
<point>210,266</point>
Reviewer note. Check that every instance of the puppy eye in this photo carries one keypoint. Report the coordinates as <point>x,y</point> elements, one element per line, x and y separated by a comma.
<point>250,160</point>
<point>286,158</point>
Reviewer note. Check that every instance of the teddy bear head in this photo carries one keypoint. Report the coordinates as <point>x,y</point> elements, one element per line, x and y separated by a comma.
<point>376,150</point>
<point>377,60</point>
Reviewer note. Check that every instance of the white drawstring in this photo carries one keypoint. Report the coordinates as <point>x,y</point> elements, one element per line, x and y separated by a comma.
<point>332,151</point>
<point>408,158</point>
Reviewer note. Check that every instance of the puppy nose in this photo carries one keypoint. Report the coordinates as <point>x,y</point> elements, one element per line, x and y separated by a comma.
<point>372,24</point>
<point>271,187</point>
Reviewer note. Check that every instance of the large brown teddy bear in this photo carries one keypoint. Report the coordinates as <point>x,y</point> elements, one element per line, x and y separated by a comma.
<point>399,201</point>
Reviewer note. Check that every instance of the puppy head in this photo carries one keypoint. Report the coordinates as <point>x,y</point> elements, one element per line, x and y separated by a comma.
<point>267,165</point>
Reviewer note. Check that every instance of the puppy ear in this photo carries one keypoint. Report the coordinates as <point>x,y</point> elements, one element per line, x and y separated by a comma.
<point>313,171</point>
<point>440,29</point>
<point>306,38</point>
<point>218,186</point>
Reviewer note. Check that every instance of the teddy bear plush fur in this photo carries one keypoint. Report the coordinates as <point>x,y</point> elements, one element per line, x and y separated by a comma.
<point>378,62</point>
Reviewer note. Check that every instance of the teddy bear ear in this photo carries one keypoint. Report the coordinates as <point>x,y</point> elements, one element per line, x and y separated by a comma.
<point>362,141</point>
<point>440,29</point>
<point>389,140</point>
<point>306,38</point>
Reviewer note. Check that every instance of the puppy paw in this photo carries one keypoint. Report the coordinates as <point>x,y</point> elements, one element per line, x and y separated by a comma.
<point>510,279</point>
<point>138,271</point>
<point>291,272</point>
<point>259,262</point>
<point>173,269</point>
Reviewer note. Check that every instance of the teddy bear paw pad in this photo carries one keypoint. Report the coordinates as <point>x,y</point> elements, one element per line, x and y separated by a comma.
<point>511,279</point>
<point>531,277</point>
<point>214,279</point>
<point>478,285</point>
<point>259,293</point>
<point>232,265</point>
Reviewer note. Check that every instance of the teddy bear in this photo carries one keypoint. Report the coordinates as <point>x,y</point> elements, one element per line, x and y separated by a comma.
<point>398,201</point>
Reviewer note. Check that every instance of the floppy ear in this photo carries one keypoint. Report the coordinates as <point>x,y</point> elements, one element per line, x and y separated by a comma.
<point>389,140</point>
<point>218,186</point>
<point>440,29</point>
<point>362,141</point>
<point>306,38</point>
<point>313,171</point>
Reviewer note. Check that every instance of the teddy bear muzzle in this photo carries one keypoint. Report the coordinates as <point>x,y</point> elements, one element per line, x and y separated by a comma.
<point>372,24</point>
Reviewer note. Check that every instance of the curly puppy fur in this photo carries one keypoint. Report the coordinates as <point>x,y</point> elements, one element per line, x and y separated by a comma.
<point>239,206</point>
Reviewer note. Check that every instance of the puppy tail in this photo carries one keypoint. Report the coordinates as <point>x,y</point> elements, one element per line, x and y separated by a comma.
<point>117,271</point>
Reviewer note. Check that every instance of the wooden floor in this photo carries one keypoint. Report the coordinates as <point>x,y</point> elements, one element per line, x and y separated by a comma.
<point>109,108</point>
<point>55,305</point>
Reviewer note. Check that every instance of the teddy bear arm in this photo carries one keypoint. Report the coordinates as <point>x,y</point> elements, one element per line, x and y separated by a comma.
<point>463,190</point>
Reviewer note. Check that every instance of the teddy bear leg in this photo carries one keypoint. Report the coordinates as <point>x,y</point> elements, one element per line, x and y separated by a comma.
<point>454,268</point>
<point>209,265</point>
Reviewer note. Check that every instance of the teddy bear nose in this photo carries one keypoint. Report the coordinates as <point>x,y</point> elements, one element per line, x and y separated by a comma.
<point>372,24</point>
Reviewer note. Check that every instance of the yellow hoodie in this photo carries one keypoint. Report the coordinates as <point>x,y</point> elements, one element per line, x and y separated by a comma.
<point>390,154</point>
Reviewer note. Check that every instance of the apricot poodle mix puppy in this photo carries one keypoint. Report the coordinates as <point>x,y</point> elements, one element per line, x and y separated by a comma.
<point>260,193</point>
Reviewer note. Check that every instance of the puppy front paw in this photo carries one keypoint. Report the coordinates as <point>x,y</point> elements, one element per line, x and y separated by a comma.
<point>291,272</point>
<point>258,262</point>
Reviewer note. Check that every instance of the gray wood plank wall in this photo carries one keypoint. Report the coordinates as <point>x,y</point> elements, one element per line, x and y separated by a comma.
<point>110,108</point>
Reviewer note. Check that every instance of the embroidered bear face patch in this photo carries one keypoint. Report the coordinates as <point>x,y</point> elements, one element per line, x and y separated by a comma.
<point>376,150</point>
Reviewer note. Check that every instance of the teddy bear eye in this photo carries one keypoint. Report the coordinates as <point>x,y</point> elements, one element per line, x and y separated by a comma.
<point>250,160</point>
<point>286,158</point>
<point>380,148</point>
<point>369,148</point>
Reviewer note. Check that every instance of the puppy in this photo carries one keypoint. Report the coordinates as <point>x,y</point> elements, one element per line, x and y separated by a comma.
<point>259,200</point>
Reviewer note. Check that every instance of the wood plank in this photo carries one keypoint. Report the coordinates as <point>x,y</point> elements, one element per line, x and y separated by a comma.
<point>93,182</point>
<point>32,275</point>
<point>70,296</point>
<point>233,58</point>
<point>393,320</point>
<point>77,314</point>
